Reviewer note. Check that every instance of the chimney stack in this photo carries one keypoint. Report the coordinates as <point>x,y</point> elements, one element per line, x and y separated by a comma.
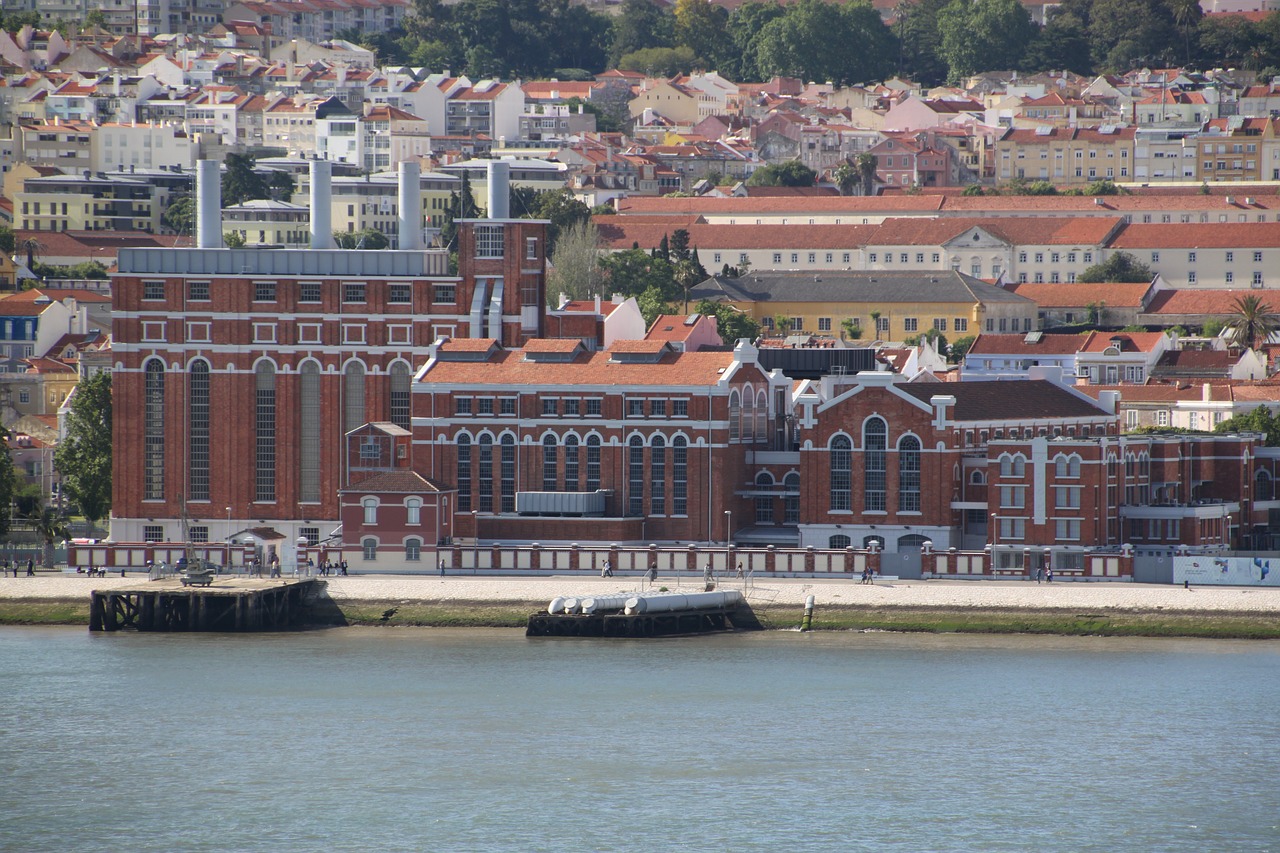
<point>499,175</point>
<point>321,205</point>
<point>208,205</point>
<point>410,205</point>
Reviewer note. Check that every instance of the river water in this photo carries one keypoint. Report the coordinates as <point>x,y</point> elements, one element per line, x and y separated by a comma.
<point>472,740</point>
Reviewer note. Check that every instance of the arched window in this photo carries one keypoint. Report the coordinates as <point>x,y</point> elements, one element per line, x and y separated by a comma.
<point>791,499</point>
<point>839,541</point>
<point>1130,465</point>
<point>571,450</point>
<point>1263,487</point>
<point>399,395</point>
<point>911,542</point>
<point>370,547</point>
<point>764,503</point>
<point>909,474</point>
<point>265,422</point>
<point>1144,464</point>
<point>484,474</point>
<point>658,476</point>
<point>841,452</point>
<point>463,479</point>
<point>868,541</point>
<point>549,467</point>
<point>309,432</point>
<point>1013,466</point>
<point>748,416</point>
<point>635,476</point>
<point>370,506</point>
<point>198,431</point>
<point>413,511</point>
<point>153,430</point>
<point>593,463</point>
<point>1066,466</point>
<point>875,439</point>
<point>679,476</point>
<point>508,473</point>
<point>735,415</point>
<point>978,478</point>
<point>413,550</point>
<point>762,416</point>
<point>353,391</point>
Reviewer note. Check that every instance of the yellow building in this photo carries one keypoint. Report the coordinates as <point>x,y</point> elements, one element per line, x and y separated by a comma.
<point>262,222</point>
<point>903,303</point>
<point>1066,156</point>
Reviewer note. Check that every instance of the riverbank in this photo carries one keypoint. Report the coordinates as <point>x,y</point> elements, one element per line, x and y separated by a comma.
<point>1117,609</point>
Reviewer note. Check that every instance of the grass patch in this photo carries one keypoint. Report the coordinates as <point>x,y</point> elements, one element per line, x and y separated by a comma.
<point>427,615</point>
<point>45,612</point>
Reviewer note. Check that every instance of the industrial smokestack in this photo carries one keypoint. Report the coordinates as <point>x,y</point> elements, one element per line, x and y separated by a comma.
<point>410,205</point>
<point>208,205</point>
<point>321,206</point>
<point>499,175</point>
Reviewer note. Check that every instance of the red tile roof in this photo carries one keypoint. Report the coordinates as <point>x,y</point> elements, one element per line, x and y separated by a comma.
<point>1129,341</point>
<point>1049,344</point>
<point>1199,235</point>
<point>1031,231</point>
<point>510,367</point>
<point>1196,302</point>
<point>1078,295</point>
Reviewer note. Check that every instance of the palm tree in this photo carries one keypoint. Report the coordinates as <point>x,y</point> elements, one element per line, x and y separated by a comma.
<point>33,248</point>
<point>867,171</point>
<point>1254,322</point>
<point>50,525</point>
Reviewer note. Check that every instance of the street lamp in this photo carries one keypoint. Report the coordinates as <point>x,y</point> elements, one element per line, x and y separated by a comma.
<point>728,538</point>
<point>995,530</point>
<point>230,541</point>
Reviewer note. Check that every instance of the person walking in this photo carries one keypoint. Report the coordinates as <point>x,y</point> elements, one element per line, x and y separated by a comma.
<point>31,568</point>
<point>607,570</point>
<point>653,572</point>
<point>442,568</point>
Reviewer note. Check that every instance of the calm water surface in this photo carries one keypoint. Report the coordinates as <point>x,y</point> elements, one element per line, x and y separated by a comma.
<point>400,739</point>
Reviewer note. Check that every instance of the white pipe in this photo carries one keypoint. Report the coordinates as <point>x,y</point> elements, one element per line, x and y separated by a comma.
<point>556,605</point>
<point>410,189</point>
<point>668,602</point>
<point>605,603</point>
<point>572,605</point>
<point>321,204</point>
<point>499,190</point>
<point>208,205</point>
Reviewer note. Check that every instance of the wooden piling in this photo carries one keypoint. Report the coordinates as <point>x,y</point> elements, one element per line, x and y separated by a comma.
<point>190,609</point>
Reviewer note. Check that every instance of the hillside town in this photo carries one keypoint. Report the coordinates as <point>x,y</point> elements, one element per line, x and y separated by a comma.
<point>333,308</point>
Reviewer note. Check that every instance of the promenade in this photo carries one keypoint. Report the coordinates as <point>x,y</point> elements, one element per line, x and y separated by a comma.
<point>460,590</point>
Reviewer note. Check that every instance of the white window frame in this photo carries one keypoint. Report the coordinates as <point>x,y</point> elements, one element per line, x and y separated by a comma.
<point>308,333</point>
<point>264,333</point>
<point>398,334</point>
<point>153,331</point>
<point>353,333</point>
<point>198,332</point>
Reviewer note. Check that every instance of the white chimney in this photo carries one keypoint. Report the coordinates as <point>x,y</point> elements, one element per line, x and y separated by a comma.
<point>499,175</point>
<point>321,205</point>
<point>208,205</point>
<point>410,205</point>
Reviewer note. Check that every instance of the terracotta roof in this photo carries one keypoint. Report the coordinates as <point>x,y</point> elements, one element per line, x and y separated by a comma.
<point>509,367</point>
<point>1195,302</point>
<point>48,365</point>
<point>1198,359</point>
<point>1008,400</point>
<point>1199,235</point>
<point>469,345</point>
<point>11,307</point>
<point>840,286</point>
<point>1161,393</point>
<point>1128,341</point>
<point>1048,344</point>
<point>639,346</point>
<point>853,205</point>
<point>918,231</point>
<point>621,232</point>
<point>1078,295</point>
<point>564,345</point>
<point>394,481</point>
<point>671,327</point>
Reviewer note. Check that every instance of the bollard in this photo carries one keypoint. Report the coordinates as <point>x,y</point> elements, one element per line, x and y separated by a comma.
<point>807,622</point>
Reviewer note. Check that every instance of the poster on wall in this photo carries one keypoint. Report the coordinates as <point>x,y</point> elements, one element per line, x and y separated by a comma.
<point>1227,571</point>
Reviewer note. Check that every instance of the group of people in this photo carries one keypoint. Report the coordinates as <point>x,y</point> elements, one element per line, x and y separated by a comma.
<point>868,576</point>
<point>1045,574</point>
<point>327,567</point>
<point>15,565</point>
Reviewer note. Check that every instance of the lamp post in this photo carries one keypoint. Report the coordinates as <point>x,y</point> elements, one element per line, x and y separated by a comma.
<point>475,540</point>
<point>728,538</point>
<point>230,541</point>
<point>995,529</point>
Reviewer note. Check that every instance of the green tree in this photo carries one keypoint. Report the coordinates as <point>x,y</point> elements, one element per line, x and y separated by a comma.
<point>634,271</point>
<point>1212,328</point>
<point>732,324</point>
<point>960,348</point>
<point>84,457</point>
<point>367,238</point>
<point>1254,322</point>
<point>240,183</point>
<point>1259,420</point>
<point>816,40</point>
<point>8,240</point>
<point>639,25</point>
<point>1121,266</point>
<point>180,217</point>
<point>662,61</point>
<point>851,329</point>
<point>281,185</point>
<point>462,205</point>
<point>652,303</point>
<point>781,324</point>
<point>233,239</point>
<point>919,40</point>
<point>703,28</point>
<point>575,263</point>
<point>978,35</point>
<point>846,178</point>
<point>8,484</point>
<point>745,24</point>
<point>792,173</point>
<point>561,208</point>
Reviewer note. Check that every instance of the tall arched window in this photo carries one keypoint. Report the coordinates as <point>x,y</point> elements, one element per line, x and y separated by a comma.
<point>593,463</point>
<point>875,439</point>
<point>679,476</point>
<point>413,511</point>
<point>791,498</point>
<point>764,503</point>
<point>762,416</point>
<point>370,506</point>
<point>463,479</point>
<point>265,423</point>
<point>353,392</point>
<point>153,430</point>
<point>399,395</point>
<point>484,472</point>
<point>748,416</point>
<point>909,474</point>
<point>571,451</point>
<point>1066,466</point>
<point>508,473</point>
<point>658,476</point>
<point>839,541</point>
<point>1263,487</point>
<point>412,550</point>
<point>549,471</point>
<point>309,432</point>
<point>735,415</point>
<point>198,431</point>
<point>635,476</point>
<point>841,473</point>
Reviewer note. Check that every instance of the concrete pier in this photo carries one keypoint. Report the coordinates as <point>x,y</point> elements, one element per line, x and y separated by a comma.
<point>226,605</point>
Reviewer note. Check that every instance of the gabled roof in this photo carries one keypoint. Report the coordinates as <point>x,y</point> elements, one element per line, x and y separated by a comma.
<point>1195,302</point>
<point>917,286</point>
<point>395,482</point>
<point>1078,295</point>
<point>1007,400</point>
<point>510,367</point>
<point>1024,345</point>
<point>1199,235</point>
<point>1125,341</point>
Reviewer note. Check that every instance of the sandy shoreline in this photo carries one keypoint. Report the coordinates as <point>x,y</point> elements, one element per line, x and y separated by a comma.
<point>775,592</point>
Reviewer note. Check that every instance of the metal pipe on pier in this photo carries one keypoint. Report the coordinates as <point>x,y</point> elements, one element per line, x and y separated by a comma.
<point>667,602</point>
<point>605,603</point>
